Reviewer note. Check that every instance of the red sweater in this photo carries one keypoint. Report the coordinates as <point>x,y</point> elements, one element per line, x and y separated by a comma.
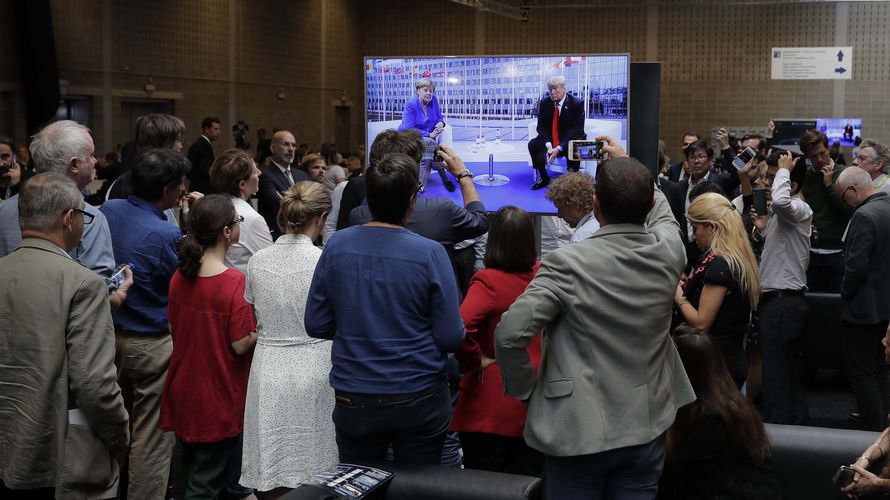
<point>206,383</point>
<point>482,405</point>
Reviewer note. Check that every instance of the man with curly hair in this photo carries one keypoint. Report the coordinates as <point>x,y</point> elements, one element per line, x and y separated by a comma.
<point>572,195</point>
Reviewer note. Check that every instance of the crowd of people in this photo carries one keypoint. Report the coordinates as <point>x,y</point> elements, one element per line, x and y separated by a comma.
<point>278,313</point>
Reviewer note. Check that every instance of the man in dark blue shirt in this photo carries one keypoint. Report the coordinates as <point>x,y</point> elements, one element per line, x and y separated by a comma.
<point>141,236</point>
<point>390,341</point>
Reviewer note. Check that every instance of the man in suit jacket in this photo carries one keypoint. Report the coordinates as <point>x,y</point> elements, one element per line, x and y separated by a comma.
<point>64,429</point>
<point>201,156</point>
<point>610,381</point>
<point>864,291</point>
<point>676,171</point>
<point>555,131</point>
<point>278,176</point>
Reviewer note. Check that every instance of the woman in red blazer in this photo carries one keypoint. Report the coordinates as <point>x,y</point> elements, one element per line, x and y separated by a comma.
<point>491,424</point>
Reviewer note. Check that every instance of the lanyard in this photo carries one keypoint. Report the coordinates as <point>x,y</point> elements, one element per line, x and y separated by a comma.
<point>882,182</point>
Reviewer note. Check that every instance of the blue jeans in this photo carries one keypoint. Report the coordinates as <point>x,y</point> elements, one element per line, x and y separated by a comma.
<point>629,473</point>
<point>413,425</point>
<point>782,321</point>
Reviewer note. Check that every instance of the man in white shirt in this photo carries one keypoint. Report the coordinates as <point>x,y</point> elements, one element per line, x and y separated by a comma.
<point>874,158</point>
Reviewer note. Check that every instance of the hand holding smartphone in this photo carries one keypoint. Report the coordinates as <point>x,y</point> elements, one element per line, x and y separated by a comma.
<point>843,477</point>
<point>759,201</point>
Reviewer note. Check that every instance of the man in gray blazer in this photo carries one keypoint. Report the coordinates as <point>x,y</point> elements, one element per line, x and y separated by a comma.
<point>64,428</point>
<point>865,289</point>
<point>610,381</point>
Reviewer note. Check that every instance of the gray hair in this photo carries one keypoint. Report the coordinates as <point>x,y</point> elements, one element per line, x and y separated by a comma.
<point>556,81</point>
<point>54,146</point>
<point>854,176</point>
<point>44,198</point>
<point>425,82</point>
<point>881,153</point>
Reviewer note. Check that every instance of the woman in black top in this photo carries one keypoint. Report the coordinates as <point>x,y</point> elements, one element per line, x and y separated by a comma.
<point>718,295</point>
<point>718,448</point>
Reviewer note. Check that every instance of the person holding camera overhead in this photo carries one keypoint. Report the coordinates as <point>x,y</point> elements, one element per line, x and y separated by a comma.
<point>422,113</point>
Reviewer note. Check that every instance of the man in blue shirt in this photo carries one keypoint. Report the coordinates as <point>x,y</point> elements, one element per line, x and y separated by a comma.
<point>142,236</point>
<point>65,147</point>
<point>390,342</point>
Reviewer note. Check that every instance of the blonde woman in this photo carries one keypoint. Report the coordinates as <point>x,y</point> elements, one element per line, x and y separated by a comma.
<point>718,295</point>
<point>288,431</point>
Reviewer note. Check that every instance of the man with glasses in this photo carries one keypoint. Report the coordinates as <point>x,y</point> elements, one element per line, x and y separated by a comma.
<point>60,394</point>
<point>864,291</point>
<point>677,171</point>
<point>560,120</point>
<point>874,158</point>
<point>830,216</point>
<point>142,235</point>
<point>65,147</point>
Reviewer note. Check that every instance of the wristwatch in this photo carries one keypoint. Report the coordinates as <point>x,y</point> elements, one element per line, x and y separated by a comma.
<point>465,173</point>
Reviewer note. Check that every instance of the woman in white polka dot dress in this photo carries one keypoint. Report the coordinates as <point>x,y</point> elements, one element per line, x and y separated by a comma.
<point>288,431</point>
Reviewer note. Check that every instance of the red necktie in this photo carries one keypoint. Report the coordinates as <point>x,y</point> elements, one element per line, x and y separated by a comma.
<point>555,129</point>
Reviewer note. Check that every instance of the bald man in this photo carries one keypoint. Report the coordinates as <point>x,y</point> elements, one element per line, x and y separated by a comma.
<point>864,291</point>
<point>278,176</point>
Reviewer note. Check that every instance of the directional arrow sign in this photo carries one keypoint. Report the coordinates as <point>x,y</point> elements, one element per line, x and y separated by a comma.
<point>811,63</point>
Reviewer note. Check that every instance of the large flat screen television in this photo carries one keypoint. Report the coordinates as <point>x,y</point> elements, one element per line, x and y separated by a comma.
<point>842,130</point>
<point>490,105</point>
<point>789,131</point>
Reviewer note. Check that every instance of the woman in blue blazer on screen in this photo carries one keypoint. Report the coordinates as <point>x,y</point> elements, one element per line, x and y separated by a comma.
<point>423,114</point>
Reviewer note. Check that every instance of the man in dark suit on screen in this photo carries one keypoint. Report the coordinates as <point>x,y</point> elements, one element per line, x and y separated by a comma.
<point>560,119</point>
<point>201,155</point>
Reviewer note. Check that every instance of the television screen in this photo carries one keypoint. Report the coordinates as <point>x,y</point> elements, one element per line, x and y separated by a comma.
<point>843,130</point>
<point>789,131</point>
<point>490,109</point>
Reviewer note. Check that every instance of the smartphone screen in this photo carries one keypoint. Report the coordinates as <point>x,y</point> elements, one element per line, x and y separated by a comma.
<point>759,201</point>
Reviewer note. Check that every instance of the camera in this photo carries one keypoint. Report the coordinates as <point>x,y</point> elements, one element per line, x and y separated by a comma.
<point>432,153</point>
<point>581,150</point>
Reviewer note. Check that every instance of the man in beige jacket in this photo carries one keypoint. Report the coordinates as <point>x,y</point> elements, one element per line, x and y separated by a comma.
<point>63,426</point>
<point>610,380</point>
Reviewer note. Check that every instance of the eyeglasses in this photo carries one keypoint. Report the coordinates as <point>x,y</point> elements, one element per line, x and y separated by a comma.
<point>698,158</point>
<point>767,178</point>
<point>238,220</point>
<point>844,192</point>
<point>419,188</point>
<point>87,217</point>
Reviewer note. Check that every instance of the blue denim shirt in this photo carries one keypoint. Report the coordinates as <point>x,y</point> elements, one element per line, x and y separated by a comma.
<point>141,235</point>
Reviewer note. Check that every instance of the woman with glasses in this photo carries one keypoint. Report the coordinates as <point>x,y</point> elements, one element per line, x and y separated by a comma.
<point>422,113</point>
<point>718,295</point>
<point>288,431</point>
<point>213,332</point>
<point>235,173</point>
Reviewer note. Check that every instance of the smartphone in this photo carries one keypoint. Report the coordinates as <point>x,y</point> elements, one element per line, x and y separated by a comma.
<point>581,150</point>
<point>117,277</point>
<point>759,201</point>
<point>843,476</point>
<point>744,157</point>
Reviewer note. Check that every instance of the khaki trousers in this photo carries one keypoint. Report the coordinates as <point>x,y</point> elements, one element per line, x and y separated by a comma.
<point>142,361</point>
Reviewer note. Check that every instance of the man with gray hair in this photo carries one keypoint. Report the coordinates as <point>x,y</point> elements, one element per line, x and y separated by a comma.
<point>560,120</point>
<point>864,290</point>
<point>65,147</point>
<point>60,393</point>
<point>874,158</point>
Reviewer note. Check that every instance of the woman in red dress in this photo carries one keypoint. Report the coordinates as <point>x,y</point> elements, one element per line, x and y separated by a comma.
<point>214,333</point>
<point>491,424</point>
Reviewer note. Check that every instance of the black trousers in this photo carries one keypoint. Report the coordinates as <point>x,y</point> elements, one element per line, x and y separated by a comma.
<point>537,148</point>
<point>782,321</point>
<point>867,372</point>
